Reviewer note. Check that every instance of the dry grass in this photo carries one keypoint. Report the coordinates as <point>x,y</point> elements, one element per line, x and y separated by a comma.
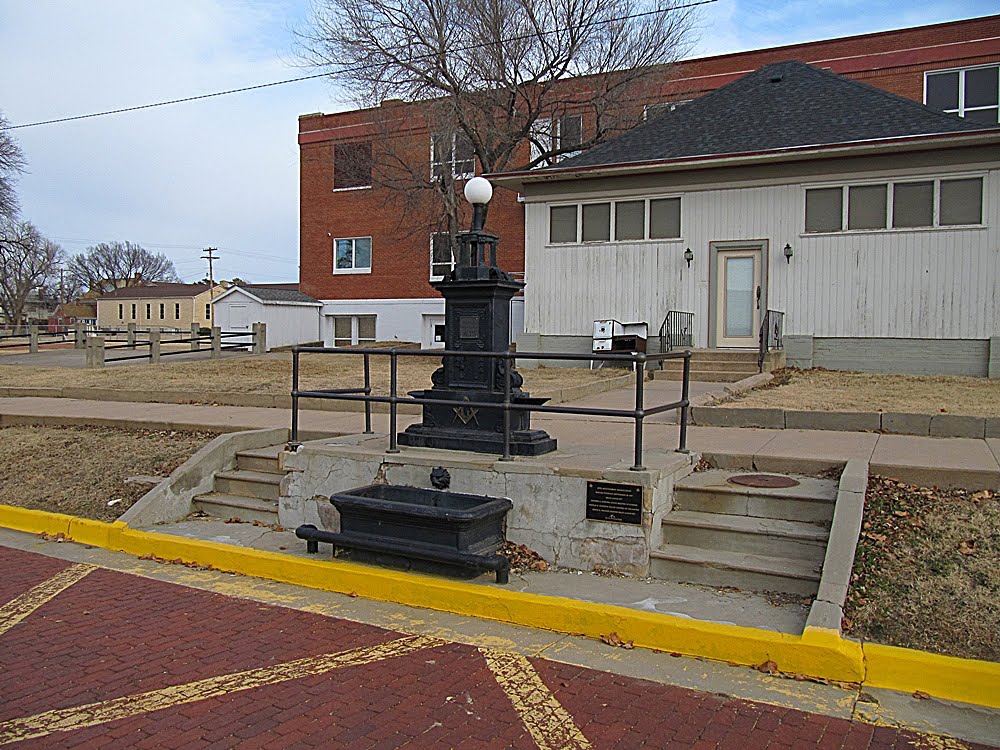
<point>272,375</point>
<point>830,390</point>
<point>79,470</point>
<point>927,570</point>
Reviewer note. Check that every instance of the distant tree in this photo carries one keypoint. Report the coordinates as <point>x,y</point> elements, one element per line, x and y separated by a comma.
<point>112,265</point>
<point>11,165</point>
<point>491,75</point>
<point>28,263</point>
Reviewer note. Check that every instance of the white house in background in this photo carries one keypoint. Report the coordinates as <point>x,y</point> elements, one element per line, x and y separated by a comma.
<point>872,222</point>
<point>291,316</point>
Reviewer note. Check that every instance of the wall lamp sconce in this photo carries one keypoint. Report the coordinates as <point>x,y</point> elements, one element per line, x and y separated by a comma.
<point>788,253</point>
<point>688,256</point>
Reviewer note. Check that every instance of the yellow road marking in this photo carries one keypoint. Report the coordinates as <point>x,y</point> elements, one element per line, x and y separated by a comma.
<point>88,715</point>
<point>17,609</point>
<point>549,724</point>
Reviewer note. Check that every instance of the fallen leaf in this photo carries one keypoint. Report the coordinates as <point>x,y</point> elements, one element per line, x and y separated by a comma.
<point>233,520</point>
<point>921,695</point>
<point>353,594</point>
<point>613,639</point>
<point>967,547</point>
<point>768,667</point>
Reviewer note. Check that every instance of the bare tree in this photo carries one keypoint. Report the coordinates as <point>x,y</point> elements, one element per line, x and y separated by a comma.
<point>28,263</point>
<point>491,75</point>
<point>11,165</point>
<point>112,265</point>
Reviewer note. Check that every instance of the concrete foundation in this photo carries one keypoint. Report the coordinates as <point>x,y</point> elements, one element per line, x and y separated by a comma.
<point>549,494</point>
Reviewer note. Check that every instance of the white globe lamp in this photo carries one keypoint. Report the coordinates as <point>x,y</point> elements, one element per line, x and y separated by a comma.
<point>478,191</point>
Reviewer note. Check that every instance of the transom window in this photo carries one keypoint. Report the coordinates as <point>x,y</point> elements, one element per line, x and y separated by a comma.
<point>442,255</point>
<point>352,166</point>
<point>548,134</point>
<point>452,155</point>
<point>352,255</point>
<point>626,220</point>
<point>350,330</point>
<point>938,202</point>
<point>972,93</point>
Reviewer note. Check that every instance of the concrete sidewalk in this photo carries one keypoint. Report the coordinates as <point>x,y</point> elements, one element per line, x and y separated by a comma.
<point>964,462</point>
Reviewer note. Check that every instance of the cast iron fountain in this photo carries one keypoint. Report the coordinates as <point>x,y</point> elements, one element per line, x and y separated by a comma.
<point>435,530</point>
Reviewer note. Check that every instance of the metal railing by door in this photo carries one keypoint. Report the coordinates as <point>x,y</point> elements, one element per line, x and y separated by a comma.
<point>772,329</point>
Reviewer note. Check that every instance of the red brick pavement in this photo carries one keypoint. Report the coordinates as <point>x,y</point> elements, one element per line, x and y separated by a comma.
<point>111,635</point>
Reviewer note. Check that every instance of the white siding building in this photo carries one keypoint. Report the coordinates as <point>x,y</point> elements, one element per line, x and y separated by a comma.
<point>876,233</point>
<point>291,317</point>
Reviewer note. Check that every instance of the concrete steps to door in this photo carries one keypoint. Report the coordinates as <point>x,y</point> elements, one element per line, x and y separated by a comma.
<point>248,492</point>
<point>765,539</point>
<point>720,365</point>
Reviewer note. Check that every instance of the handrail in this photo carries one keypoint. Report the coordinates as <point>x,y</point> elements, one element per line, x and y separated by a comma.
<point>637,359</point>
<point>677,330</point>
<point>771,334</point>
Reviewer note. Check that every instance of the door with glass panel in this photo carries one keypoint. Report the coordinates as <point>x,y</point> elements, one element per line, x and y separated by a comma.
<point>738,297</point>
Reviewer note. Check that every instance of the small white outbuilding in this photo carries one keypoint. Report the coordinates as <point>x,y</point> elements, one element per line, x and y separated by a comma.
<point>291,317</point>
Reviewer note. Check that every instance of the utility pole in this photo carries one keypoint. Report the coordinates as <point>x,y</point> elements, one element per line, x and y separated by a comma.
<point>210,256</point>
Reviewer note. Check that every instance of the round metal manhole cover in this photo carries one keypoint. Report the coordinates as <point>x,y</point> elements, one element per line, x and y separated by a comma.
<point>763,480</point>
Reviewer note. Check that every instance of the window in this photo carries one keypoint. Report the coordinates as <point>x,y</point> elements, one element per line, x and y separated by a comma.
<point>121,312</point>
<point>352,166</point>
<point>352,255</point>
<point>349,330</point>
<point>972,93</point>
<point>133,312</point>
<point>549,134</point>
<point>452,156</point>
<point>162,308</point>
<point>624,220</point>
<point>442,255</point>
<point>177,311</point>
<point>924,203</point>
<point>149,312</point>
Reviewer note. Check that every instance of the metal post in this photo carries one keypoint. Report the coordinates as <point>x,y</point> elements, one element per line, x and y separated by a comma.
<point>154,345</point>
<point>130,335</point>
<point>508,363</point>
<point>33,339</point>
<point>216,342</point>
<point>640,374</point>
<point>368,392</point>
<point>685,391</point>
<point>293,442</point>
<point>393,358</point>
<point>195,333</point>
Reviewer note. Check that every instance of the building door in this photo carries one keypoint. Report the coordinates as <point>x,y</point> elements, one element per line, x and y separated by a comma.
<point>738,296</point>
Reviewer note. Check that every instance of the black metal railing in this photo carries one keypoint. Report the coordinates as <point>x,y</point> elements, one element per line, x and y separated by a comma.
<point>772,329</point>
<point>364,394</point>
<point>677,331</point>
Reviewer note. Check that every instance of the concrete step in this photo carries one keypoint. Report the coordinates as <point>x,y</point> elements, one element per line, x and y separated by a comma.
<point>724,355</point>
<point>256,484</point>
<point>704,376</point>
<point>225,506</point>
<point>740,570</point>
<point>757,536</point>
<point>812,501</point>
<point>263,460</point>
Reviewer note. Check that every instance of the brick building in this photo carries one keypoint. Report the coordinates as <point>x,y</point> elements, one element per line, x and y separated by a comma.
<point>373,275</point>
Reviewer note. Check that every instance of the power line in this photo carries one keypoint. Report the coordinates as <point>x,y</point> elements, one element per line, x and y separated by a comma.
<point>341,71</point>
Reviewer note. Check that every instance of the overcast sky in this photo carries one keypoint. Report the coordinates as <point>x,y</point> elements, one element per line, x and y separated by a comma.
<point>224,172</point>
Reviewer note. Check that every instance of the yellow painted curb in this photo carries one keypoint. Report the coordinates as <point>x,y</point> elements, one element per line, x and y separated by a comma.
<point>817,653</point>
<point>907,670</point>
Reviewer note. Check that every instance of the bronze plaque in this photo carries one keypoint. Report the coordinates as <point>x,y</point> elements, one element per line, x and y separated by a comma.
<point>468,326</point>
<point>609,501</point>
